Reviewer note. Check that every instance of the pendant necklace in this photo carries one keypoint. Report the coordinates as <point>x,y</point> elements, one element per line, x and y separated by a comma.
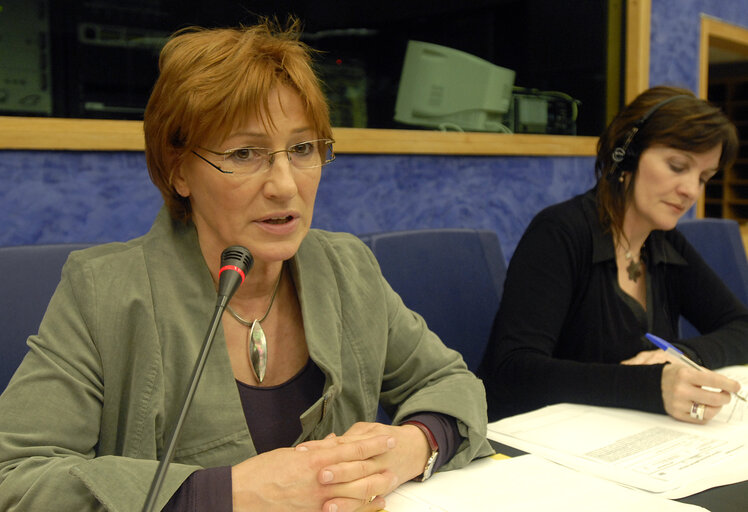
<point>257,346</point>
<point>634,267</point>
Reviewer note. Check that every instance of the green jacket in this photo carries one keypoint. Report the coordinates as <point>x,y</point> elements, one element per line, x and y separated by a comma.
<point>84,420</point>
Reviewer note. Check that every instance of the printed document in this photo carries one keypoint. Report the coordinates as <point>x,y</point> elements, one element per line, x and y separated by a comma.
<point>737,410</point>
<point>651,452</point>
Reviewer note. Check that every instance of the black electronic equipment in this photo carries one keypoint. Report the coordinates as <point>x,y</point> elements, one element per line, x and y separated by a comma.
<point>548,112</point>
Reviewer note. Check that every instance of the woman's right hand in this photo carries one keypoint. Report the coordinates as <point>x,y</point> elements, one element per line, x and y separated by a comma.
<point>682,387</point>
<point>286,479</point>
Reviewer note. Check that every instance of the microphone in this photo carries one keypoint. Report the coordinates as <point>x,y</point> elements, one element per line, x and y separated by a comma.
<point>236,261</point>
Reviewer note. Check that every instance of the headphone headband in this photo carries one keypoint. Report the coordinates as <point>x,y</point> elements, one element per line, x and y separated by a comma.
<point>619,153</point>
<point>657,107</point>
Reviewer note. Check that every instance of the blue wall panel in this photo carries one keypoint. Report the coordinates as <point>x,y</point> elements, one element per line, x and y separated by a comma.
<point>363,194</point>
<point>58,196</point>
<point>71,196</point>
<point>676,32</point>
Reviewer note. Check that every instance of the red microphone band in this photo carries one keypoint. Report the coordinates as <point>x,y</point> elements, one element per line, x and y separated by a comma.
<point>232,267</point>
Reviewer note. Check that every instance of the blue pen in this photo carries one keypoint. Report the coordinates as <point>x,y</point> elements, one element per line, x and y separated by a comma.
<point>668,347</point>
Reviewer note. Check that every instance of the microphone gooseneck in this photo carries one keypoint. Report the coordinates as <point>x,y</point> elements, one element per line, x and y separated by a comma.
<point>236,262</point>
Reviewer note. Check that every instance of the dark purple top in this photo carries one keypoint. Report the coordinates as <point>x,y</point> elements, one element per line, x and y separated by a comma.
<point>272,415</point>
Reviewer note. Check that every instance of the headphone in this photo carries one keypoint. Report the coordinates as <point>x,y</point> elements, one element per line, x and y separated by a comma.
<point>622,152</point>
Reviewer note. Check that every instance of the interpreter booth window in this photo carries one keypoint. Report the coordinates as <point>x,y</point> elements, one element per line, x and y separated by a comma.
<point>516,66</point>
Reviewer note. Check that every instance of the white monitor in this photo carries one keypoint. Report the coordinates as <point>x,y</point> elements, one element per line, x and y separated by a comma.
<point>448,89</point>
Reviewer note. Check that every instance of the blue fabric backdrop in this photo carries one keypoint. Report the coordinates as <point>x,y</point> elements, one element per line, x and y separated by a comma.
<point>58,196</point>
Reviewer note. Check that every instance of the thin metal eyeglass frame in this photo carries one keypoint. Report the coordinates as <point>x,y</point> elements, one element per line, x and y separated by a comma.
<point>270,156</point>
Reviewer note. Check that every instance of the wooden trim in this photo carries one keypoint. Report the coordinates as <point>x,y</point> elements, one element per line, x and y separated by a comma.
<point>638,28</point>
<point>359,140</point>
<point>726,36</point>
<point>110,135</point>
<point>614,59</point>
<point>744,235</point>
<point>704,58</point>
<point>718,34</point>
<point>703,93</point>
<point>70,134</point>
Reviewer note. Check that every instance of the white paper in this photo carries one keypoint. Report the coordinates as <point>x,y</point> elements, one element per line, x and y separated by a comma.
<point>652,452</point>
<point>523,484</point>
<point>737,410</point>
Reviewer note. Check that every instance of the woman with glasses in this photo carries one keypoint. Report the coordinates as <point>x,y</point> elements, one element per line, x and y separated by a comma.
<point>237,132</point>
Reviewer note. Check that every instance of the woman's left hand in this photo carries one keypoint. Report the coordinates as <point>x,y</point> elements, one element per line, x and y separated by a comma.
<point>406,460</point>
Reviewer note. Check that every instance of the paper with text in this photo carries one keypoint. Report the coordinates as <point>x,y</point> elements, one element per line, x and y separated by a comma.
<point>737,410</point>
<point>652,452</point>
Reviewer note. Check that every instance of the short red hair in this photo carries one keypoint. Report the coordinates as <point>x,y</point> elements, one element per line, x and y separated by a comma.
<point>213,80</point>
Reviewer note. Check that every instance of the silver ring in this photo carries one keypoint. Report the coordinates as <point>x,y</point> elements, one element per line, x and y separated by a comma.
<point>697,411</point>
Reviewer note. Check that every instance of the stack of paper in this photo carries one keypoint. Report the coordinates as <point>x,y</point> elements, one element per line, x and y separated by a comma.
<point>652,452</point>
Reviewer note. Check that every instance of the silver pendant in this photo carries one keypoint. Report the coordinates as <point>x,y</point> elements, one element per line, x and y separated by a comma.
<point>257,350</point>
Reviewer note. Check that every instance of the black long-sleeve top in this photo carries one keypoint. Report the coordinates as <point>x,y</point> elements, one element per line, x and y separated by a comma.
<point>564,324</point>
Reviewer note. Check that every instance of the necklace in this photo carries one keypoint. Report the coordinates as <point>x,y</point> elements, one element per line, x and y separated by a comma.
<point>257,345</point>
<point>634,268</point>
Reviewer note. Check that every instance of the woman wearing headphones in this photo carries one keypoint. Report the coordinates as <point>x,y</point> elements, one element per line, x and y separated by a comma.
<point>593,274</point>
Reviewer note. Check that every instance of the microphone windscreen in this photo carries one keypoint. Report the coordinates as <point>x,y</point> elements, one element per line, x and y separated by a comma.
<point>236,261</point>
<point>237,256</point>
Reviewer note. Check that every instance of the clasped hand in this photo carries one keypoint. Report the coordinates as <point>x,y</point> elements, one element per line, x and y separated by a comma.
<point>344,473</point>
<point>683,386</point>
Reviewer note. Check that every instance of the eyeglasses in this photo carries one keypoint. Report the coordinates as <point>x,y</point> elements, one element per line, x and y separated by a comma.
<point>254,160</point>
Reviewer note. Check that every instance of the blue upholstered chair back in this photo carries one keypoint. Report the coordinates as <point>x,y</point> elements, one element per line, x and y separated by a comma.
<point>454,278</point>
<point>720,244</point>
<point>28,277</point>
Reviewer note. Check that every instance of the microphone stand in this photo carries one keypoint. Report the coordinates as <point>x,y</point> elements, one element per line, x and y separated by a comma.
<point>237,260</point>
<point>197,371</point>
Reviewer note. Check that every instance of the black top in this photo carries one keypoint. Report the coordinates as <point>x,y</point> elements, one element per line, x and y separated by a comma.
<point>564,324</point>
<point>273,412</point>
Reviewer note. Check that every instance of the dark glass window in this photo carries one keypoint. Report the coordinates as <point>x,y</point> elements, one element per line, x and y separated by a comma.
<point>98,58</point>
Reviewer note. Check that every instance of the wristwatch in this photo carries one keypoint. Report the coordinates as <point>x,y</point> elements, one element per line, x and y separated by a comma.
<point>429,469</point>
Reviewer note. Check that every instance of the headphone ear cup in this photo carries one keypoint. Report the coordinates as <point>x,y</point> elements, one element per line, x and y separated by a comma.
<point>630,160</point>
<point>625,156</point>
<point>618,155</point>
<point>621,157</point>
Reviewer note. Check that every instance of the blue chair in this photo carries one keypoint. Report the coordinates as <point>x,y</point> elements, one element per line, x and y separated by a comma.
<point>29,275</point>
<point>454,278</point>
<point>720,243</point>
